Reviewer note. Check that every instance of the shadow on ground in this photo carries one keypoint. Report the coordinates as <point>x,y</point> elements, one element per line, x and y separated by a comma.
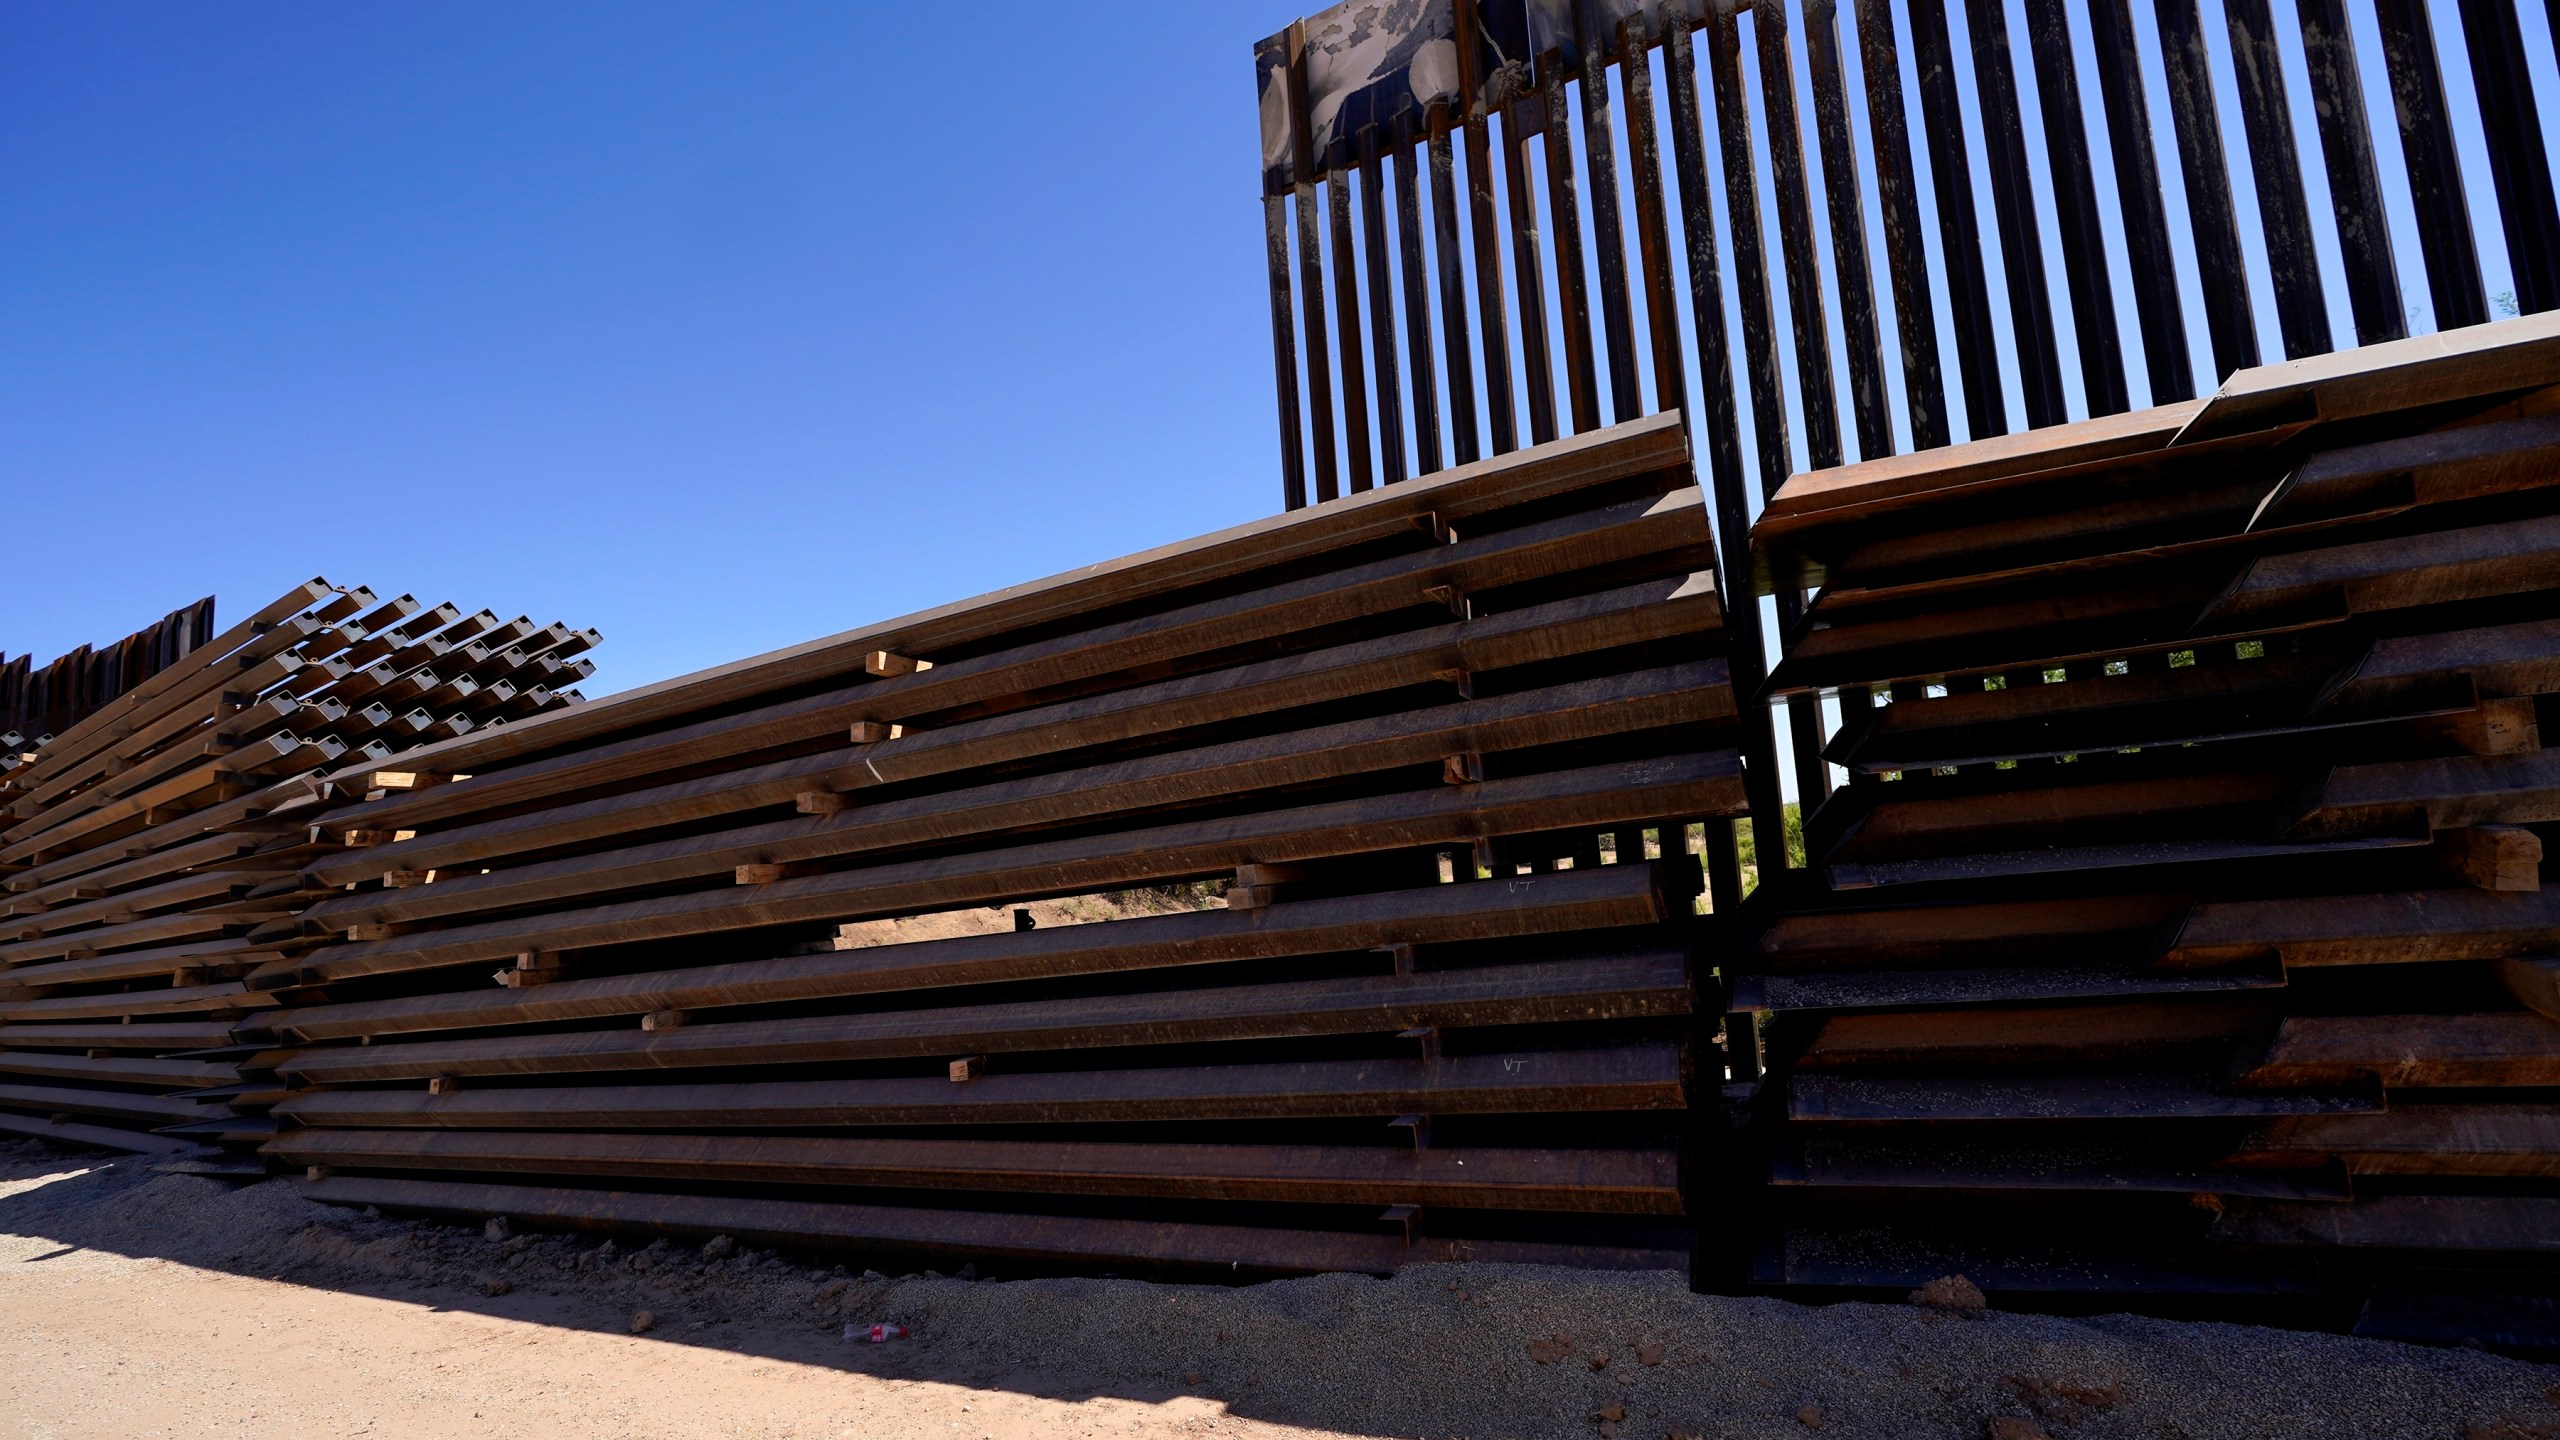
<point>1474,1351</point>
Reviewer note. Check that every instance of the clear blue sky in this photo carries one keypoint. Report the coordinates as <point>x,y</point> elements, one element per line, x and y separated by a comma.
<point>716,327</point>
<point>722,327</point>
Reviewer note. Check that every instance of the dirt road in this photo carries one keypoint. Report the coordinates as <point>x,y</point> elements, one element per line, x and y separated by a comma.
<point>139,1304</point>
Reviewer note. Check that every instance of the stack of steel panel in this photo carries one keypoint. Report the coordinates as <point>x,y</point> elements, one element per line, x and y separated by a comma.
<point>1445,742</point>
<point>2181,926</point>
<point>149,848</point>
<point>35,702</point>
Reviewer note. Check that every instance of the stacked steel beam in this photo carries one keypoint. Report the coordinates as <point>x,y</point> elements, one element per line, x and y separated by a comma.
<point>149,848</point>
<point>1445,742</point>
<point>2181,926</point>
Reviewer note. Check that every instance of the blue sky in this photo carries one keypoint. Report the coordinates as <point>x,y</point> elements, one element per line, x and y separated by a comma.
<point>723,327</point>
<point>714,327</point>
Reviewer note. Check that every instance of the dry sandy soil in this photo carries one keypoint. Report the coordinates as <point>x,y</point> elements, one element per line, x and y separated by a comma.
<point>136,1303</point>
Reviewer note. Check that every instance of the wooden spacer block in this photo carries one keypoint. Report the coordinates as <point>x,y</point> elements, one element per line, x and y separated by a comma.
<point>872,732</point>
<point>315,1172</point>
<point>1462,769</point>
<point>444,1084</point>
<point>2494,857</point>
<point>404,879</point>
<point>361,839</point>
<point>1260,874</point>
<point>1464,681</point>
<point>660,1021</point>
<point>2496,727</point>
<point>372,930</point>
<point>967,1068</point>
<point>1251,897</point>
<point>102,1054</point>
<point>2535,982</point>
<point>820,802</point>
<point>889,662</point>
<point>767,873</point>
<point>532,967</point>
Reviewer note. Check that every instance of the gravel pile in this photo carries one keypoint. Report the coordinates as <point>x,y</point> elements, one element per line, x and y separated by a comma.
<point>1476,1351</point>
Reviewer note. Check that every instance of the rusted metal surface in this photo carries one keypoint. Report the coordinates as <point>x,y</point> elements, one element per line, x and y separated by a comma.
<point>2195,867</point>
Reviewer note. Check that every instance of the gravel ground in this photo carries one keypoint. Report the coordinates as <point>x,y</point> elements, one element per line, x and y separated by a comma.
<point>1439,1351</point>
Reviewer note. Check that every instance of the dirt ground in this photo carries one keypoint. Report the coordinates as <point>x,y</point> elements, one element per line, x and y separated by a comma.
<point>136,1303</point>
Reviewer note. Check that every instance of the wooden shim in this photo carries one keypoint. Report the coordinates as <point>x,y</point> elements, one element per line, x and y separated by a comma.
<point>2494,857</point>
<point>981,1235</point>
<point>764,854</point>
<point>1686,785</point>
<point>1585,1181</point>
<point>1613,534</point>
<point>2413,1051</point>
<point>2534,980</point>
<point>1625,616</point>
<point>1641,1077</point>
<point>1608,897</point>
<point>1619,987</point>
